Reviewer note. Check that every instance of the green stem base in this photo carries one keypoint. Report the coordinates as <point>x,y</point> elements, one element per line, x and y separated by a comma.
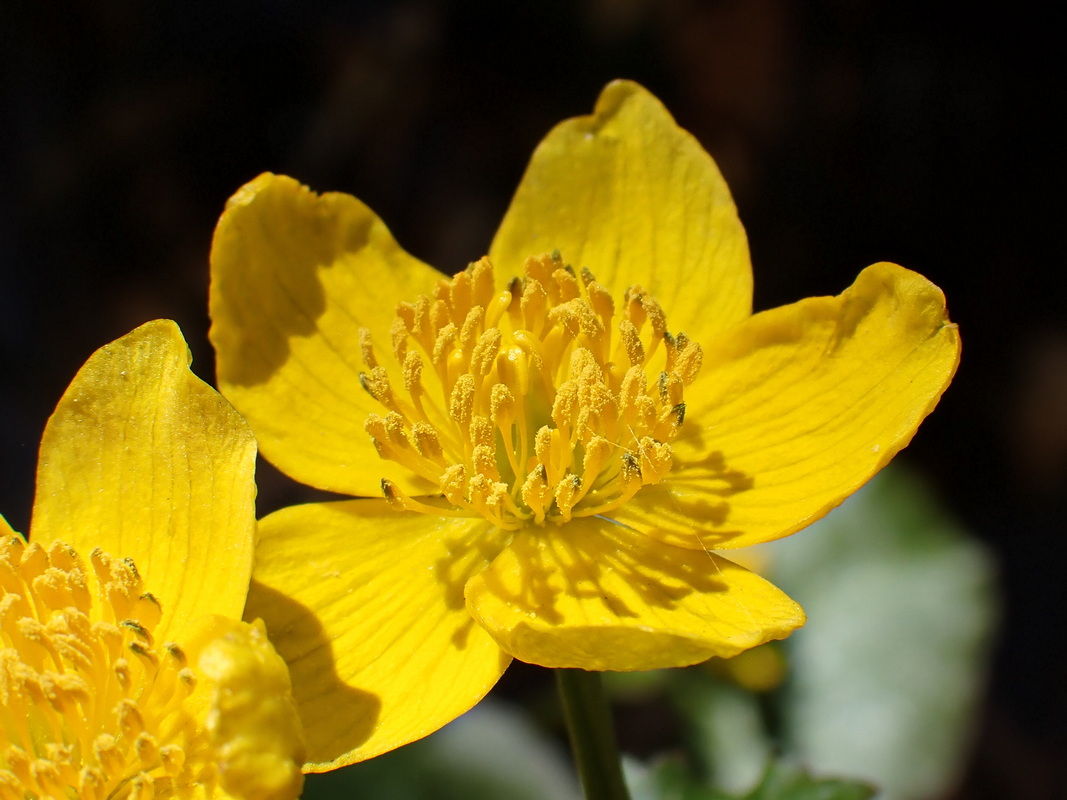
<point>588,717</point>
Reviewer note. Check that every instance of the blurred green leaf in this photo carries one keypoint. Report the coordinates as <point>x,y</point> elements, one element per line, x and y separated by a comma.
<point>887,674</point>
<point>490,752</point>
<point>783,782</point>
<point>670,780</point>
<point>727,735</point>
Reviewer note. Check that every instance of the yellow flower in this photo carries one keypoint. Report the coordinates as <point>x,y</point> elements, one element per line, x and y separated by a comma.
<point>560,438</point>
<point>125,668</point>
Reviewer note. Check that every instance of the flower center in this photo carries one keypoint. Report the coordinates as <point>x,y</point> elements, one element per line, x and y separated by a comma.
<point>92,707</point>
<point>541,400</point>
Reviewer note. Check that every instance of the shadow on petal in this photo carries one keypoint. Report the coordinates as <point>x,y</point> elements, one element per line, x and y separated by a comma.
<point>601,596</point>
<point>616,568</point>
<point>466,557</point>
<point>690,507</point>
<point>337,717</point>
<point>255,246</point>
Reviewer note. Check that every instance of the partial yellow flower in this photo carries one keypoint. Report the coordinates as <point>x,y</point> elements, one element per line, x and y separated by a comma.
<point>125,668</point>
<point>561,437</point>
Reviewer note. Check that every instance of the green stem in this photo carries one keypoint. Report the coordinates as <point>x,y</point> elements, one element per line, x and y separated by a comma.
<point>588,716</point>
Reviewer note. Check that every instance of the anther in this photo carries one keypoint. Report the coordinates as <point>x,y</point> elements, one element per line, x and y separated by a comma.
<point>34,561</point>
<point>601,302</point>
<point>139,630</point>
<point>442,345</point>
<point>460,296</point>
<point>501,405</point>
<point>140,650</point>
<point>176,653</point>
<point>461,402</point>
<point>483,281</point>
<point>631,467</point>
<point>426,442</point>
<point>439,315</point>
<point>454,484</point>
<point>391,494</point>
<point>472,326</point>
<point>567,283</point>
<point>129,717</point>
<point>482,431</point>
<point>376,384</point>
<point>413,373</point>
<point>543,445</point>
<point>173,759</point>
<point>536,494</point>
<point>679,413</point>
<point>483,459</point>
<point>546,348</point>
<point>147,749</point>
<point>485,352</point>
<point>567,495</point>
<point>366,349</point>
<point>534,306</point>
<point>394,430</point>
<point>656,458</point>
<point>565,408</point>
<point>690,358</point>
<point>147,610</point>
<point>398,337</point>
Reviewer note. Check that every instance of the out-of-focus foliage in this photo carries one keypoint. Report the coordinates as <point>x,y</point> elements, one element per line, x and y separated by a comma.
<point>886,677</point>
<point>881,686</point>
<point>493,751</point>
<point>669,780</point>
<point>884,680</point>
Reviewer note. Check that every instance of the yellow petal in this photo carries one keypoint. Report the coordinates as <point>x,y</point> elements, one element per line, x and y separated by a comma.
<point>144,460</point>
<point>366,606</point>
<point>798,407</point>
<point>6,530</point>
<point>294,276</point>
<point>598,596</point>
<point>251,721</point>
<point>635,198</point>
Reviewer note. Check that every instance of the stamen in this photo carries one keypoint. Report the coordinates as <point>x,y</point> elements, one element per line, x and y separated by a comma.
<point>548,405</point>
<point>92,709</point>
<point>366,349</point>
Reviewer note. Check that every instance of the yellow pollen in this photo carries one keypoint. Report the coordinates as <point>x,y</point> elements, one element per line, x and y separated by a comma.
<point>93,706</point>
<point>530,403</point>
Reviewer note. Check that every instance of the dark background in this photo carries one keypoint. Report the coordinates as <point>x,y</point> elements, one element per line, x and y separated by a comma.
<point>850,131</point>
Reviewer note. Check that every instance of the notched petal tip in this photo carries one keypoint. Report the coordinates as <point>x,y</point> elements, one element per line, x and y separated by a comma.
<point>618,92</point>
<point>632,196</point>
<point>295,277</point>
<point>136,418</point>
<point>806,402</point>
<point>263,182</point>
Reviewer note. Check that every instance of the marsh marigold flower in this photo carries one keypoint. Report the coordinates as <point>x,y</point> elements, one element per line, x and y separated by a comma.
<point>560,439</point>
<point>125,668</point>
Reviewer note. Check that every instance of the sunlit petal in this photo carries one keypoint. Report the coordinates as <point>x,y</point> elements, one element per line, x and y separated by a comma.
<point>595,595</point>
<point>144,460</point>
<point>366,606</point>
<point>798,407</point>
<point>6,530</point>
<point>637,200</point>
<point>294,276</point>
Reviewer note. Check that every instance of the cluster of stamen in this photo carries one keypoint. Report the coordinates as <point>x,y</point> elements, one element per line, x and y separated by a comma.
<point>538,401</point>
<point>92,707</point>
